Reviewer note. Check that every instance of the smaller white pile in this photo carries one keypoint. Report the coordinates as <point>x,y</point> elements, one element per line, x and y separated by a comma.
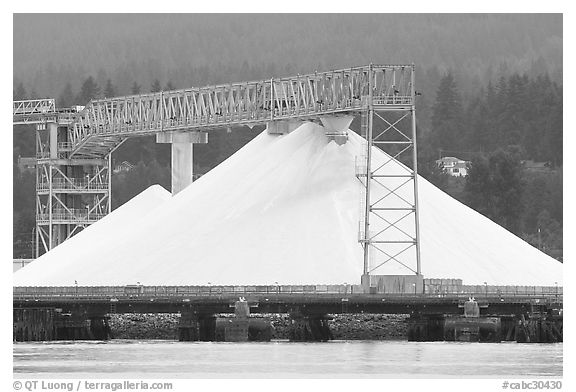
<point>113,228</point>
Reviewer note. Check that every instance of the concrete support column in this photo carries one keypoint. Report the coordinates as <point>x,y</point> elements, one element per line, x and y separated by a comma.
<point>182,155</point>
<point>236,329</point>
<point>182,166</point>
<point>53,139</point>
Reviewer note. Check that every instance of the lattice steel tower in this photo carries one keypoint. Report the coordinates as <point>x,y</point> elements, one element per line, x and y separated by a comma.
<point>389,225</point>
<point>71,193</point>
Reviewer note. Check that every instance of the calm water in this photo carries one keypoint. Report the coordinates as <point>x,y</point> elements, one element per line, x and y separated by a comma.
<point>156,359</point>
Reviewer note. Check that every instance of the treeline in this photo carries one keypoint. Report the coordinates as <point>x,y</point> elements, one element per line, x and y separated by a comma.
<point>528,203</point>
<point>518,111</point>
<point>51,50</point>
<point>517,120</point>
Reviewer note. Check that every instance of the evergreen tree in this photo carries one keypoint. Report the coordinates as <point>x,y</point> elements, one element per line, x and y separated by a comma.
<point>512,118</point>
<point>66,98</point>
<point>169,86</point>
<point>19,94</point>
<point>135,90</point>
<point>109,90</point>
<point>554,127</point>
<point>447,116</point>
<point>88,91</point>
<point>156,86</point>
<point>494,188</point>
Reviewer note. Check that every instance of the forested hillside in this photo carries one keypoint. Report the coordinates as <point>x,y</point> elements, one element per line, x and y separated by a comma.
<point>192,50</point>
<point>491,92</point>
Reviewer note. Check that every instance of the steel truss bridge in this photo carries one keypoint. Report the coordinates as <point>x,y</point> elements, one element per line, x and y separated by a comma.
<point>74,146</point>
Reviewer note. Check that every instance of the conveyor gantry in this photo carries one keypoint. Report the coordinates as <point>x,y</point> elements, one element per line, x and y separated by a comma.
<point>89,136</point>
<point>301,97</point>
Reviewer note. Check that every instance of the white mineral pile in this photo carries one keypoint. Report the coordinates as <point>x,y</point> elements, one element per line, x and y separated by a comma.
<point>86,244</point>
<point>286,209</point>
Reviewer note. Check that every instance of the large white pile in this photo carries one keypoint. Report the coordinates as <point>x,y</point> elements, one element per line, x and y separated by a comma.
<point>286,209</point>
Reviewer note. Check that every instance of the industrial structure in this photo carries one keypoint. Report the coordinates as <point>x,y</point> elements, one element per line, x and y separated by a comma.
<point>73,187</point>
<point>74,146</point>
<point>512,313</point>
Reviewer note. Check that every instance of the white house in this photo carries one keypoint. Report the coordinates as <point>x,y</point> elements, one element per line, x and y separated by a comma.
<point>453,166</point>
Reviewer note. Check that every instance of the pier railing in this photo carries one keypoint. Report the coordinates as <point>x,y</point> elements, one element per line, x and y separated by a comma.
<point>71,184</point>
<point>140,291</point>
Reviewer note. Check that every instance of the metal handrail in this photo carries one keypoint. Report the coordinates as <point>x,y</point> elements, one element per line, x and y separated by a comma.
<point>535,293</point>
<point>74,215</point>
<point>71,184</point>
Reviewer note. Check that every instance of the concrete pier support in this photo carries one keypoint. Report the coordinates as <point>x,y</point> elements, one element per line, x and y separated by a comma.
<point>230,329</point>
<point>236,328</point>
<point>463,329</point>
<point>196,326</point>
<point>182,155</point>
<point>310,328</point>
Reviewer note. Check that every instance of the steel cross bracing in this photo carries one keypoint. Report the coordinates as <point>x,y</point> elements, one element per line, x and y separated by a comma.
<point>389,224</point>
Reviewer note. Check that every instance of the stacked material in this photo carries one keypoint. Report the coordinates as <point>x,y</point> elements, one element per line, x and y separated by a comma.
<point>286,209</point>
<point>114,227</point>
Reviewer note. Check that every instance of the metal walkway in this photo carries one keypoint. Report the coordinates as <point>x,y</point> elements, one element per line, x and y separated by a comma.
<point>303,97</point>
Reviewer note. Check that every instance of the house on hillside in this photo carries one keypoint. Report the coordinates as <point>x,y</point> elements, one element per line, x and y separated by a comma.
<point>453,166</point>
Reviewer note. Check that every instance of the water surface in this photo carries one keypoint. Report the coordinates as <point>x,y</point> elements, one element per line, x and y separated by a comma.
<point>282,359</point>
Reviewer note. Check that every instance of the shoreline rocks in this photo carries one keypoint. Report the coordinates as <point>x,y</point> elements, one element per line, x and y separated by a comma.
<point>343,326</point>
